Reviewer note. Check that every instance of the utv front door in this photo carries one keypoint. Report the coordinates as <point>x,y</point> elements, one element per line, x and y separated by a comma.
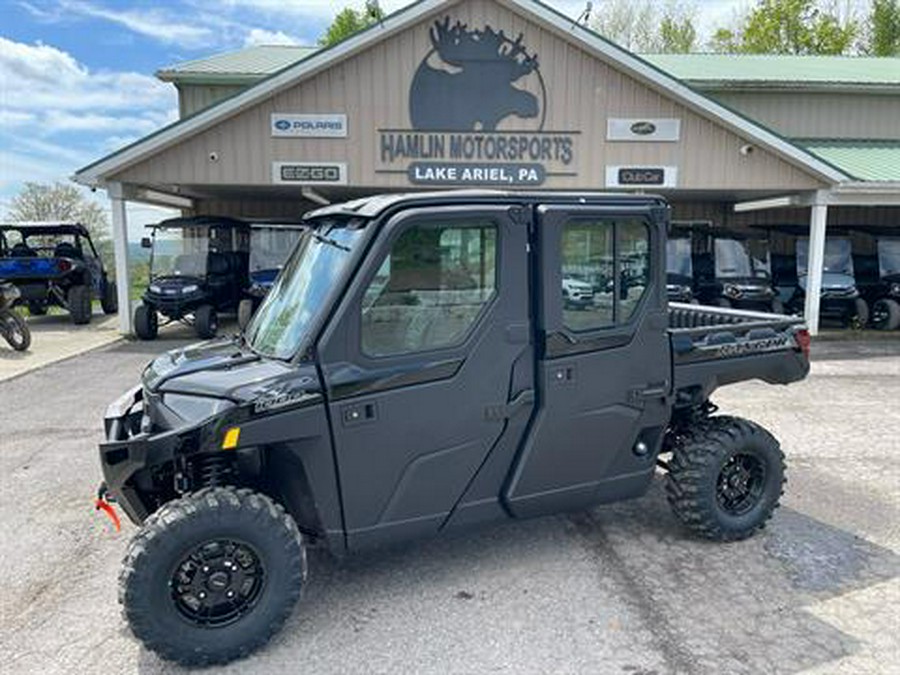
<point>603,373</point>
<point>429,370</point>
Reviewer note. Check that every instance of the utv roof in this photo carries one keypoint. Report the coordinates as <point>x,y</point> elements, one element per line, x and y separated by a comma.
<point>201,221</point>
<point>370,207</point>
<point>35,228</point>
<point>278,223</point>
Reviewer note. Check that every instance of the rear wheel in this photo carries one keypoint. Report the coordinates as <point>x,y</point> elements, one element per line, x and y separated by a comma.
<point>110,300</point>
<point>212,576</point>
<point>15,330</point>
<point>146,323</point>
<point>80,307</point>
<point>206,323</point>
<point>725,478</point>
<point>245,312</point>
<point>886,314</point>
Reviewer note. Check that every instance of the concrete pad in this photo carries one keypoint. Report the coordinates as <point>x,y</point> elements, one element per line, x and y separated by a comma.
<point>54,337</point>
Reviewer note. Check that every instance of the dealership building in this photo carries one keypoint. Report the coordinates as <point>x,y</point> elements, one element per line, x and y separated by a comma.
<point>511,94</point>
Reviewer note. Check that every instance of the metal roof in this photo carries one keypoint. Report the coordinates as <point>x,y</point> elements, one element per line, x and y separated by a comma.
<point>768,70</point>
<point>864,160</point>
<point>244,66</point>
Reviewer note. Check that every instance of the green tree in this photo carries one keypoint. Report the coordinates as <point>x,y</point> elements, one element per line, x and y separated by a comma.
<point>350,21</point>
<point>883,29</point>
<point>643,27</point>
<point>64,203</point>
<point>788,27</point>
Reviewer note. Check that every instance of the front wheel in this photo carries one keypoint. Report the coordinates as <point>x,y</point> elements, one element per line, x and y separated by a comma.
<point>860,316</point>
<point>146,323</point>
<point>110,300</point>
<point>212,576</point>
<point>206,323</point>
<point>886,314</point>
<point>725,478</point>
<point>80,304</point>
<point>15,330</point>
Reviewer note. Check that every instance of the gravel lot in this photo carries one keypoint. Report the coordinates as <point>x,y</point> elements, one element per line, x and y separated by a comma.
<point>621,589</point>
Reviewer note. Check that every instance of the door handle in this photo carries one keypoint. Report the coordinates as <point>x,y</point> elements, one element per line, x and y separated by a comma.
<point>649,391</point>
<point>504,411</point>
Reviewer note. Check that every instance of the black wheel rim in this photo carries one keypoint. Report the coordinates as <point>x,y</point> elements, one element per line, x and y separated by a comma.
<point>740,485</point>
<point>879,315</point>
<point>217,583</point>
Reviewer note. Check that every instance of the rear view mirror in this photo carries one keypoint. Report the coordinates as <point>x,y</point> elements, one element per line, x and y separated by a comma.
<point>146,242</point>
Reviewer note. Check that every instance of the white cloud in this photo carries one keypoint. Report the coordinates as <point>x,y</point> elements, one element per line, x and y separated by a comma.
<point>261,36</point>
<point>151,22</point>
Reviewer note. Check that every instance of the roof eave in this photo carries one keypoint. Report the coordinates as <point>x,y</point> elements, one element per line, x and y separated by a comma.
<point>197,78</point>
<point>756,86</point>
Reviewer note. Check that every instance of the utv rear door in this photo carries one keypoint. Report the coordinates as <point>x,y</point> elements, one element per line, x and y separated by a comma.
<point>603,371</point>
<point>429,370</point>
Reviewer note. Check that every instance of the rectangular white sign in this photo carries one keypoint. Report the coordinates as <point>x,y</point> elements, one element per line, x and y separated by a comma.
<point>641,177</point>
<point>643,129</point>
<point>309,173</point>
<point>293,125</point>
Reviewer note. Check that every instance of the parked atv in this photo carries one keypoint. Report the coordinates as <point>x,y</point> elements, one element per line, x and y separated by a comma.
<point>416,370</point>
<point>878,279</point>
<point>840,297</point>
<point>56,264</point>
<point>735,271</point>
<point>12,326</point>
<point>271,242</point>
<point>198,268</point>
<point>679,269</point>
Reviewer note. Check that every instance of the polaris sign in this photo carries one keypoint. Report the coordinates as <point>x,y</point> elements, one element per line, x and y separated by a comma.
<point>289,125</point>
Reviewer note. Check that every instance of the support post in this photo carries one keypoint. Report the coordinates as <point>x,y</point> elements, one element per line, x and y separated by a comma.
<point>120,248</point>
<point>818,223</point>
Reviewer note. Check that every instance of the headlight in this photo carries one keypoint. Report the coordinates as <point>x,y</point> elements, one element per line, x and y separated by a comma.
<point>732,291</point>
<point>190,288</point>
<point>193,408</point>
<point>155,289</point>
<point>895,289</point>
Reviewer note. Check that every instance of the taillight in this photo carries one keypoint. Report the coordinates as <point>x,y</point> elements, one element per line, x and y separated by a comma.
<point>64,265</point>
<point>804,340</point>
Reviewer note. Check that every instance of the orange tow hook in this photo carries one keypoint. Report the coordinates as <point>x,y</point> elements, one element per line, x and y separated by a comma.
<point>102,504</point>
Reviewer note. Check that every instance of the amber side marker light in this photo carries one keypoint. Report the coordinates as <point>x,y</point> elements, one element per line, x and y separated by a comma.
<point>232,438</point>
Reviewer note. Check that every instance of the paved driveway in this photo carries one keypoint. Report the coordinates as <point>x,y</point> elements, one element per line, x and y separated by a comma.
<point>620,589</point>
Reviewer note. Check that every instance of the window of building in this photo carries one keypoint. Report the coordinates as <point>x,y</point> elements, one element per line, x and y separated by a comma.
<point>605,272</point>
<point>430,289</point>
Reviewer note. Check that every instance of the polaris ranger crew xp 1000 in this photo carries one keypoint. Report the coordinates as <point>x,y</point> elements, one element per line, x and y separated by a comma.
<point>415,370</point>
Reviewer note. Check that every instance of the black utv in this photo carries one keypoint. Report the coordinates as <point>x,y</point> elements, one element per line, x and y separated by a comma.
<point>878,278</point>
<point>417,370</point>
<point>55,264</point>
<point>734,270</point>
<point>679,268</point>
<point>198,269</point>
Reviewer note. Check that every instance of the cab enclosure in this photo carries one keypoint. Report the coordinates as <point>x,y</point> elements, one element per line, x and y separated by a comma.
<point>198,268</point>
<point>55,264</point>
<point>878,275</point>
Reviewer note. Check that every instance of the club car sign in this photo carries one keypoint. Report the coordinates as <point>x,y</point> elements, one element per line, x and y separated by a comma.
<point>477,106</point>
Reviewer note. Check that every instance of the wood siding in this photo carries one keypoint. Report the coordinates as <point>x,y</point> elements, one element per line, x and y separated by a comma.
<point>800,115</point>
<point>372,88</point>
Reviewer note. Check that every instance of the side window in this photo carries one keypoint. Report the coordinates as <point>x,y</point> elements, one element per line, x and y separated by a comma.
<point>430,288</point>
<point>605,272</point>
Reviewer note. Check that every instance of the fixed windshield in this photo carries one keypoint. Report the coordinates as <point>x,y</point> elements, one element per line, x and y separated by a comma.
<point>742,259</point>
<point>678,257</point>
<point>889,256</point>
<point>180,252</point>
<point>271,246</point>
<point>838,256</point>
<point>302,290</point>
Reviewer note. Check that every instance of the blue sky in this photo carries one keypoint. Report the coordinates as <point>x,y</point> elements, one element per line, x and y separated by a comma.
<point>76,76</point>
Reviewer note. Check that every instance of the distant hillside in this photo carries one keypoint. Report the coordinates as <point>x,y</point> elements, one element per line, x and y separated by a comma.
<point>138,254</point>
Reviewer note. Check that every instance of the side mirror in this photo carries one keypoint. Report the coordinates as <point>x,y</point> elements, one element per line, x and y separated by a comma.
<point>146,242</point>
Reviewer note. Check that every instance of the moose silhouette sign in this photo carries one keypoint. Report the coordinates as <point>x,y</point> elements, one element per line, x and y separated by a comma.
<point>477,108</point>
